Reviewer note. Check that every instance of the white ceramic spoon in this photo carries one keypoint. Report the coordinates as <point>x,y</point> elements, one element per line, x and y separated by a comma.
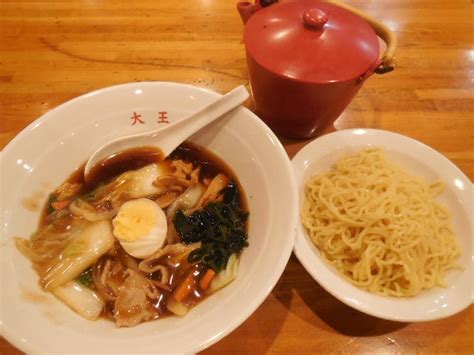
<point>169,137</point>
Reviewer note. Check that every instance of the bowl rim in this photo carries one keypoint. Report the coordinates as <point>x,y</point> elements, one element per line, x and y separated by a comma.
<point>45,116</point>
<point>279,264</point>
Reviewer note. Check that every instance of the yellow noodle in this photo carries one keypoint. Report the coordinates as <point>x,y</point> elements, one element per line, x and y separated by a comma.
<point>380,227</point>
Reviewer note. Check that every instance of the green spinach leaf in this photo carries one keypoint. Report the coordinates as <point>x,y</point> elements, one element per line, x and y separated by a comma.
<point>220,227</point>
<point>85,279</point>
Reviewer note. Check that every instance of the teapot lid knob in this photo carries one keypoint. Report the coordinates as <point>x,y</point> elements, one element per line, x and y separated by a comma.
<point>315,18</point>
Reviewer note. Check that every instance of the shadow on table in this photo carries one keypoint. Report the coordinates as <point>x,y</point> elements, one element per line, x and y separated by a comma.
<point>330,311</point>
<point>260,330</point>
<point>294,145</point>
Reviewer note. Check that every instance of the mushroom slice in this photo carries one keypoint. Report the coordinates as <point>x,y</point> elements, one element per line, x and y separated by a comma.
<point>213,192</point>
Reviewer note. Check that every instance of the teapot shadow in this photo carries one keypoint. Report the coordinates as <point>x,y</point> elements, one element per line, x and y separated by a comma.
<point>331,312</point>
<point>293,145</point>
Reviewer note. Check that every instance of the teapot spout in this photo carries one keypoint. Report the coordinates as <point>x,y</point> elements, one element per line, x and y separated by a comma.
<point>247,9</point>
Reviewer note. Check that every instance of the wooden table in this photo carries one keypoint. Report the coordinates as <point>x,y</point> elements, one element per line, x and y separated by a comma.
<point>52,51</point>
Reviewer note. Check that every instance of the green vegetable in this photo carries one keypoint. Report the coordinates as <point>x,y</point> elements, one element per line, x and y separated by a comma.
<point>88,245</point>
<point>220,227</point>
<point>90,196</point>
<point>85,279</point>
<point>52,198</point>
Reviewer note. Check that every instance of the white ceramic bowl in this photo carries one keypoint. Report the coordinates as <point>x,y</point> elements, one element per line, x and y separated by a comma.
<point>421,160</point>
<point>47,151</point>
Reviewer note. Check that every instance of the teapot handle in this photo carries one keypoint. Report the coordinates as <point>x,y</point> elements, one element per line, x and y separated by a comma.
<point>387,62</point>
<point>247,9</point>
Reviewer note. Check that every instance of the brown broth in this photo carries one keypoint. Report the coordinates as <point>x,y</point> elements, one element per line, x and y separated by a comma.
<point>131,159</point>
<point>177,276</point>
<point>210,163</point>
<point>134,159</point>
<point>108,168</point>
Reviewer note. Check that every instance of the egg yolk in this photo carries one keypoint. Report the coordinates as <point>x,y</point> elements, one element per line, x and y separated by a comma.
<point>134,220</point>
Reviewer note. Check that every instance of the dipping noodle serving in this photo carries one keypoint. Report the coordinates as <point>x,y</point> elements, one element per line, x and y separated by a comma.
<point>144,238</point>
<point>380,227</point>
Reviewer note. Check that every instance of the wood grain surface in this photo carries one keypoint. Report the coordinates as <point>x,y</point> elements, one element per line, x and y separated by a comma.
<point>52,51</point>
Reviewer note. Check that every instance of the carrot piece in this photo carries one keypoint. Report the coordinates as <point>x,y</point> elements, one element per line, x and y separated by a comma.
<point>184,289</point>
<point>59,205</point>
<point>207,278</point>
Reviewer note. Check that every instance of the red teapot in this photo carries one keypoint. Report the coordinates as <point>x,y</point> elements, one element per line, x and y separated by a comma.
<point>307,59</point>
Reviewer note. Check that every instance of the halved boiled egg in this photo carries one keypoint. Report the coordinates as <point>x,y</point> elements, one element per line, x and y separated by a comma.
<point>140,227</point>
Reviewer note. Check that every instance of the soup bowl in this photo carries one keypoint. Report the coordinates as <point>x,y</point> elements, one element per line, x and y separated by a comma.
<point>45,153</point>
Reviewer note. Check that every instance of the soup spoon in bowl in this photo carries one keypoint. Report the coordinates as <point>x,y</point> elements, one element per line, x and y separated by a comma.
<point>170,137</point>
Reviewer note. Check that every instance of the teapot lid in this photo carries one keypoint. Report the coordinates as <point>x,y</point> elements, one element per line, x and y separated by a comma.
<point>311,41</point>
